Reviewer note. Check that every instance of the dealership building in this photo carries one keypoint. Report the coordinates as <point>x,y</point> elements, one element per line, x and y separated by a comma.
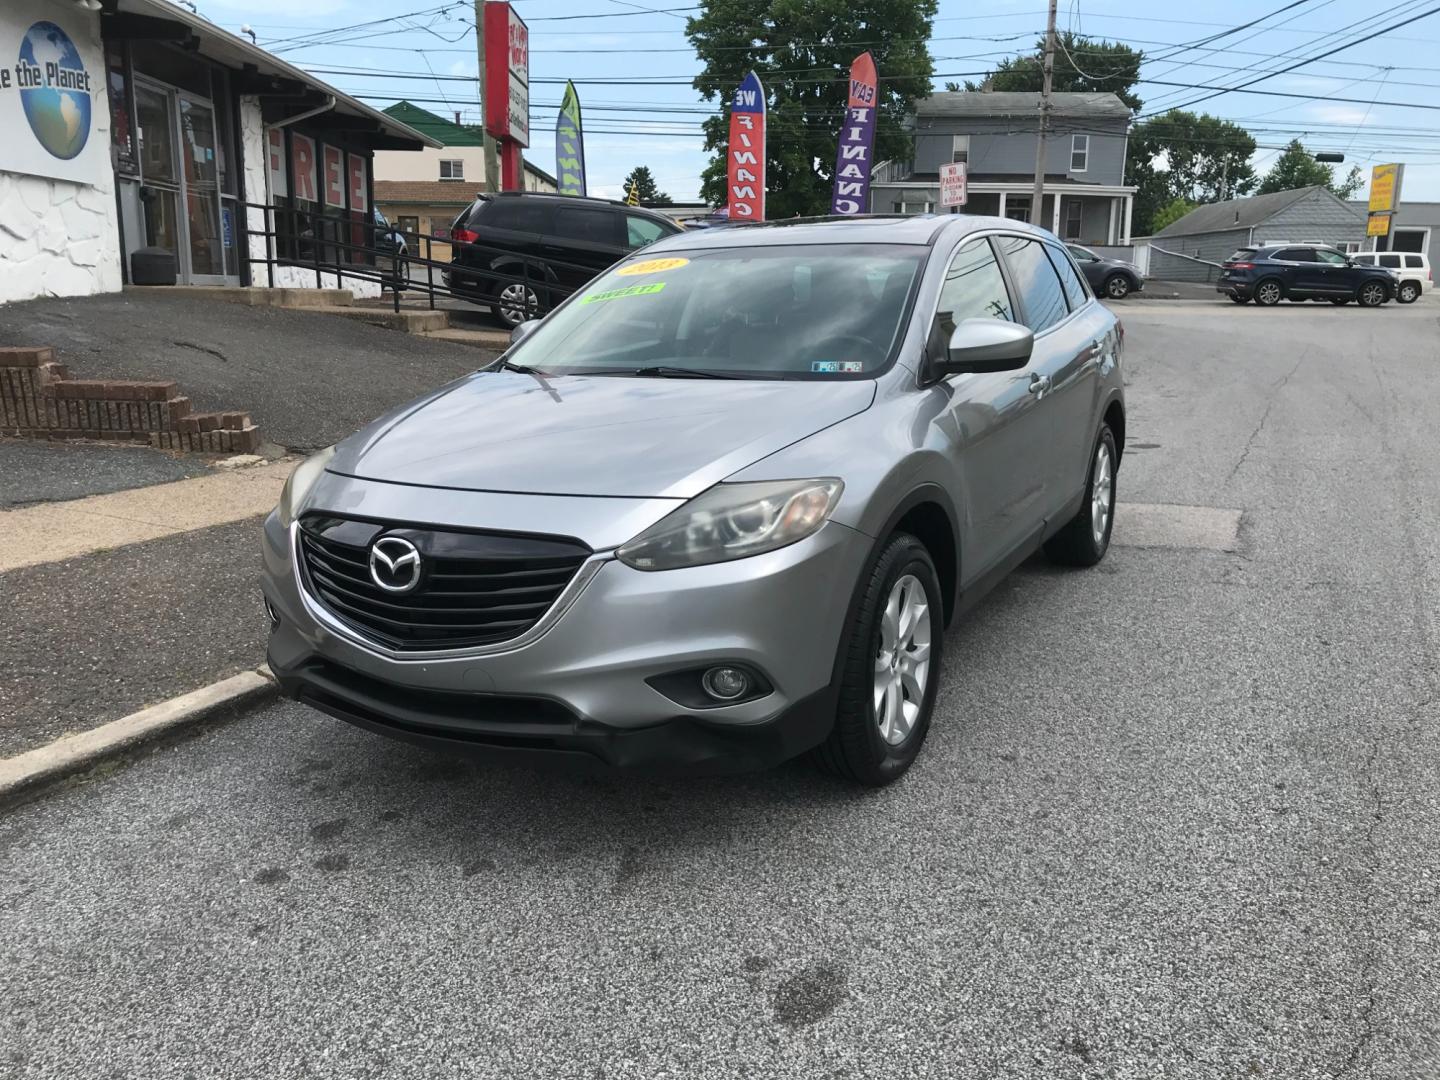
<point>136,124</point>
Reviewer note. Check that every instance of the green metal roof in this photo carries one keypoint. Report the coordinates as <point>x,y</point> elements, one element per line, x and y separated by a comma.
<point>437,127</point>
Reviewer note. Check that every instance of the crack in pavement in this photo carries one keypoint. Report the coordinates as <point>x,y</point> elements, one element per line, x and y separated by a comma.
<point>1250,442</point>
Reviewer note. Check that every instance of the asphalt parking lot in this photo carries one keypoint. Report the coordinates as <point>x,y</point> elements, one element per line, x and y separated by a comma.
<point>1178,817</point>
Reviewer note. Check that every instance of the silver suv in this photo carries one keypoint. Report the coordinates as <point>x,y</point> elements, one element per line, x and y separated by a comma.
<point>715,510</point>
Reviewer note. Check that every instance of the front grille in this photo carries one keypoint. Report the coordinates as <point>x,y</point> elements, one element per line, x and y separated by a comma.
<point>475,588</point>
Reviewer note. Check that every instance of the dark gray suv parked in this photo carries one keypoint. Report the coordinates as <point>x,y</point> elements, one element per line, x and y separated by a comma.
<point>1112,278</point>
<point>717,509</point>
<point>561,240</point>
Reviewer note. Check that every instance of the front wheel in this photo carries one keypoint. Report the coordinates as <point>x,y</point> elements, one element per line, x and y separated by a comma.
<point>1117,286</point>
<point>1086,537</point>
<point>1409,292</point>
<point>1372,294</point>
<point>890,668</point>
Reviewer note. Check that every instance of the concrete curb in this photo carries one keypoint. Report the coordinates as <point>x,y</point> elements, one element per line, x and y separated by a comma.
<point>26,774</point>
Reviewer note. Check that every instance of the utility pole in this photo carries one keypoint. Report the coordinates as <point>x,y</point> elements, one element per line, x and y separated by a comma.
<point>492,159</point>
<point>1037,198</point>
<point>1224,173</point>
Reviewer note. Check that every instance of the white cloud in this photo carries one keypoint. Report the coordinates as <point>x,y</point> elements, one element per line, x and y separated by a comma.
<point>1337,114</point>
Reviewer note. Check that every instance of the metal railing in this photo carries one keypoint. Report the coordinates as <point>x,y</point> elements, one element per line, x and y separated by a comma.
<point>353,246</point>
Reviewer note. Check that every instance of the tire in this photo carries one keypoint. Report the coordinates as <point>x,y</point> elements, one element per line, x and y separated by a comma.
<point>1269,292</point>
<point>1339,300</point>
<point>862,747</point>
<point>1086,537</point>
<point>1409,292</point>
<point>1239,299</point>
<point>1371,294</point>
<point>1117,286</point>
<point>512,314</point>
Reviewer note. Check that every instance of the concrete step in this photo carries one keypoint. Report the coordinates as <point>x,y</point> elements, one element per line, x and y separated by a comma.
<point>495,340</point>
<point>410,321</point>
<point>255,295</point>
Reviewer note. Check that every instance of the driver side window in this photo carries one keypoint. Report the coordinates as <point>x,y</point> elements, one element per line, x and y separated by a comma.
<point>974,288</point>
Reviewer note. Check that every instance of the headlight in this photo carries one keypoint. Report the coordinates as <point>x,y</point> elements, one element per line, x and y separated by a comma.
<point>300,483</point>
<point>734,521</point>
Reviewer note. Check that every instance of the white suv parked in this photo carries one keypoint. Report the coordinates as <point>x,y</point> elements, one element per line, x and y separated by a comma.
<point>1411,270</point>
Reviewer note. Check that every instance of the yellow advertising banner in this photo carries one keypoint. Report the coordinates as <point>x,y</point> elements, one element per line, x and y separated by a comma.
<point>1382,190</point>
<point>1379,225</point>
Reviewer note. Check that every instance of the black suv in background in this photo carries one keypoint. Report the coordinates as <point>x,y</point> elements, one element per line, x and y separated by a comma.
<point>560,240</point>
<point>1276,272</point>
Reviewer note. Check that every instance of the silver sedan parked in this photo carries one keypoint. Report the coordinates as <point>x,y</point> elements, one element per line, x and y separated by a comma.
<point>716,510</point>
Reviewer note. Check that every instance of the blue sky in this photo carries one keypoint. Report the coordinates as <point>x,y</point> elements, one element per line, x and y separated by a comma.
<point>625,124</point>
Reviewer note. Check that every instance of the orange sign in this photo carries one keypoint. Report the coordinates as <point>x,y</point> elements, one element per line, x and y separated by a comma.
<point>1384,180</point>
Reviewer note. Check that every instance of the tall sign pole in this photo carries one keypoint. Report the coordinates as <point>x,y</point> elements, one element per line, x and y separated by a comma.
<point>492,157</point>
<point>1037,197</point>
<point>857,138</point>
<point>745,157</point>
<point>507,88</point>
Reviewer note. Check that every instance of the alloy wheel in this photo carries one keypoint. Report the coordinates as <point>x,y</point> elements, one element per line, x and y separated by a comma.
<point>1269,293</point>
<point>902,664</point>
<point>518,303</point>
<point>1102,493</point>
<point>1118,288</point>
<point>1372,295</point>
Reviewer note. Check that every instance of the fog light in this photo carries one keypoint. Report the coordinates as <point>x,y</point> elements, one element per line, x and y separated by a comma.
<point>271,612</point>
<point>725,683</point>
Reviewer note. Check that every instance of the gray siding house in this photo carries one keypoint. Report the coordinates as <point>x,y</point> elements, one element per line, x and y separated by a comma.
<point>1192,248</point>
<point>1086,199</point>
<point>1414,227</point>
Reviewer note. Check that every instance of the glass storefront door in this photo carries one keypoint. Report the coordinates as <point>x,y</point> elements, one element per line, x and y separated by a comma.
<point>181,191</point>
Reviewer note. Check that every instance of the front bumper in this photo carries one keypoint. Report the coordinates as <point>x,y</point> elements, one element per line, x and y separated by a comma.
<point>579,690</point>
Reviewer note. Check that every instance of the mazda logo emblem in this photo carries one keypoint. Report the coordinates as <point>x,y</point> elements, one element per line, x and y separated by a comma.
<point>394,564</point>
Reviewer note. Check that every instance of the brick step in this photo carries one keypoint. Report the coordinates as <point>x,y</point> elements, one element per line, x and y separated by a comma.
<point>39,400</point>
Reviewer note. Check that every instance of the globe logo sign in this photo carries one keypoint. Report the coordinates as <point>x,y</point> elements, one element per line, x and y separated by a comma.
<point>54,90</point>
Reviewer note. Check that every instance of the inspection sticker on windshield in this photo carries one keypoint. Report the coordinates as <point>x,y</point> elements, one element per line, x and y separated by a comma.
<point>836,367</point>
<point>630,290</point>
<point>651,266</point>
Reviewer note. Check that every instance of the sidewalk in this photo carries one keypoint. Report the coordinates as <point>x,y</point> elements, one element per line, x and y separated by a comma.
<point>117,601</point>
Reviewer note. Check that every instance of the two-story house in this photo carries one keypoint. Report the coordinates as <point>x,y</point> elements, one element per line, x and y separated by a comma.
<point>1086,198</point>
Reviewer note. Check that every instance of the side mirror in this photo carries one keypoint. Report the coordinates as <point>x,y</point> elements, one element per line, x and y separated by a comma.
<point>524,330</point>
<point>983,345</point>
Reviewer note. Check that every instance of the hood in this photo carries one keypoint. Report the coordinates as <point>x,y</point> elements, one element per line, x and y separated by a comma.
<point>593,435</point>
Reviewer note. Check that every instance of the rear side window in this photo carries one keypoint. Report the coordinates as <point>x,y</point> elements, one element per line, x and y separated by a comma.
<point>640,231</point>
<point>1243,255</point>
<point>1040,293</point>
<point>1415,262</point>
<point>1069,278</point>
<point>1295,255</point>
<point>1390,261</point>
<point>518,215</point>
<point>974,288</point>
<point>585,225</point>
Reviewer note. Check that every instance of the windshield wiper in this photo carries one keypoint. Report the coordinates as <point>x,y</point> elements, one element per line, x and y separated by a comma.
<point>506,365</point>
<point>662,371</point>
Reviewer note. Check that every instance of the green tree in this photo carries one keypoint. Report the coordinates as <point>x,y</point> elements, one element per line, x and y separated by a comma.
<point>650,193</point>
<point>791,45</point>
<point>1192,157</point>
<point>1082,65</point>
<point>1170,213</point>
<point>1296,167</point>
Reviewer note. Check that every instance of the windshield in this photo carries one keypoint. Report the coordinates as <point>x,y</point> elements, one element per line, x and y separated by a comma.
<point>821,311</point>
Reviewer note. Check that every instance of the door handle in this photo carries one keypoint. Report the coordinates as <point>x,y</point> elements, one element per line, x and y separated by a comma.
<point>1039,384</point>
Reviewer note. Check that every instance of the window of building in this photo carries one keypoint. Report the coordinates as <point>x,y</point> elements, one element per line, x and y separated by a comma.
<point>1041,294</point>
<point>1074,219</point>
<point>407,224</point>
<point>960,148</point>
<point>1017,208</point>
<point>452,169</point>
<point>1350,247</point>
<point>974,288</point>
<point>916,207</point>
<point>1079,153</point>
